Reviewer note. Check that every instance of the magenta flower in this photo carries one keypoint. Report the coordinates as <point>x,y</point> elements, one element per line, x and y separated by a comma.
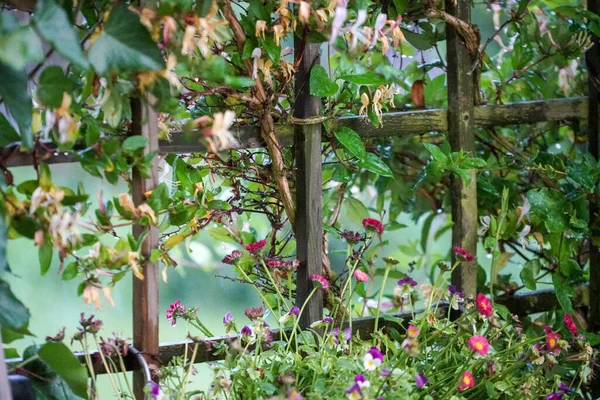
<point>479,344</point>
<point>295,310</point>
<point>320,280</point>
<point>256,246</point>
<point>361,276</point>
<point>175,310</point>
<point>232,258</point>
<point>373,225</point>
<point>407,281</point>
<point>569,324</point>
<point>421,381</point>
<point>246,331</point>
<point>228,318</point>
<point>554,396</point>
<point>354,392</point>
<point>254,313</point>
<point>152,389</point>
<point>463,253</point>
<point>484,305</point>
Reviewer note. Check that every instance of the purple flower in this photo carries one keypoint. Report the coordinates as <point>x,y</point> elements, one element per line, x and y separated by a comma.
<point>324,321</point>
<point>564,388</point>
<point>421,381</point>
<point>327,320</point>
<point>354,392</point>
<point>407,281</point>
<point>246,331</point>
<point>228,318</point>
<point>385,372</point>
<point>295,310</point>
<point>374,351</point>
<point>359,378</point>
<point>347,332</point>
<point>554,396</point>
<point>335,333</point>
<point>152,389</point>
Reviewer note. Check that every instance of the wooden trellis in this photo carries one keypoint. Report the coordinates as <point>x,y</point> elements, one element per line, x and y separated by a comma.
<point>459,121</point>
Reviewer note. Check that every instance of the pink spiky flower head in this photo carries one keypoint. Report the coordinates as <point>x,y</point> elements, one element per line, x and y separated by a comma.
<point>321,281</point>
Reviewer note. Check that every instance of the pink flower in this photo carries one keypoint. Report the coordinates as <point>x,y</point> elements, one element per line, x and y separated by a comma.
<point>484,305</point>
<point>373,225</point>
<point>569,324</point>
<point>412,332</point>
<point>466,381</point>
<point>175,310</point>
<point>361,276</point>
<point>320,280</point>
<point>463,253</point>
<point>256,246</point>
<point>254,313</point>
<point>232,258</point>
<point>552,342</point>
<point>479,345</point>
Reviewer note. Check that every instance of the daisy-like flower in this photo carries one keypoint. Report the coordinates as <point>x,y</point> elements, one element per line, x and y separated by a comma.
<point>484,305</point>
<point>479,344</point>
<point>321,281</point>
<point>570,324</point>
<point>360,275</point>
<point>407,281</point>
<point>373,225</point>
<point>466,381</point>
<point>421,380</point>
<point>552,341</point>
<point>254,313</point>
<point>175,310</point>
<point>354,392</point>
<point>256,246</point>
<point>294,311</point>
<point>373,359</point>
<point>412,332</point>
<point>232,258</point>
<point>362,381</point>
<point>463,253</point>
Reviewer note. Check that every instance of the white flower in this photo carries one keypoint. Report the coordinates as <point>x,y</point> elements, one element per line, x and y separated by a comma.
<point>370,363</point>
<point>379,24</point>
<point>525,208</point>
<point>523,236</point>
<point>365,384</point>
<point>220,135</point>
<point>341,12</point>
<point>354,29</point>
<point>256,54</point>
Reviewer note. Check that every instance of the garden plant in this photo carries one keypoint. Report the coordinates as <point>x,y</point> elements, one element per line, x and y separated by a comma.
<point>330,120</point>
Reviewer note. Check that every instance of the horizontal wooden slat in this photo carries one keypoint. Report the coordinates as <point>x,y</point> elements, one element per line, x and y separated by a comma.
<point>520,304</point>
<point>394,124</point>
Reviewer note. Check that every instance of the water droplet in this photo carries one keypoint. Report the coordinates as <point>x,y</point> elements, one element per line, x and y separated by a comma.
<point>488,255</point>
<point>558,146</point>
<point>439,210</point>
<point>55,153</point>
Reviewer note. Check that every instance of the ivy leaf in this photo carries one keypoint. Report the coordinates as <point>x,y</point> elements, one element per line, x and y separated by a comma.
<point>351,141</point>
<point>375,164</point>
<point>65,364</point>
<point>8,134</point>
<point>14,92</point>
<point>53,83</point>
<point>320,84</point>
<point>13,314</point>
<point>52,22</point>
<point>529,273</point>
<point>125,45</point>
<point>368,78</point>
<point>562,294</point>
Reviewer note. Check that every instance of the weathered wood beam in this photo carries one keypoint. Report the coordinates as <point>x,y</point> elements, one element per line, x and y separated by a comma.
<point>145,292</point>
<point>309,186</point>
<point>461,132</point>
<point>394,124</point>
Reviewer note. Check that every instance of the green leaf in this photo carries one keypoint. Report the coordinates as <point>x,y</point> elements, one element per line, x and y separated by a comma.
<point>530,272</point>
<point>20,47</point>
<point>320,84</point>
<point>548,205</point>
<point>14,92</point>
<point>218,205</point>
<point>351,141</point>
<point>375,164</point>
<point>125,45</point>
<point>562,294</point>
<point>368,78</point>
<point>8,134</point>
<point>3,238</point>
<point>570,268</point>
<point>13,314</point>
<point>272,49</point>
<point>52,22</point>
<point>134,144</point>
<point>221,234</point>
<point>70,272</point>
<point>65,364</point>
<point>419,42</point>
<point>45,255</point>
<point>437,153</point>
<point>356,210</point>
<point>52,84</point>
<point>160,199</point>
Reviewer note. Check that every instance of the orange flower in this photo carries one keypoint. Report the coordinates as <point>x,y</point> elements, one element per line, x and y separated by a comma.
<point>467,381</point>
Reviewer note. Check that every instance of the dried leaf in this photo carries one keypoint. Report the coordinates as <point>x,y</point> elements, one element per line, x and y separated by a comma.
<point>417,94</point>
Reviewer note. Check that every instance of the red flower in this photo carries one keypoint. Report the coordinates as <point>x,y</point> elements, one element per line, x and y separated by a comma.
<point>463,253</point>
<point>320,280</point>
<point>552,341</point>
<point>569,324</point>
<point>466,381</point>
<point>479,344</point>
<point>256,246</point>
<point>373,225</point>
<point>484,305</point>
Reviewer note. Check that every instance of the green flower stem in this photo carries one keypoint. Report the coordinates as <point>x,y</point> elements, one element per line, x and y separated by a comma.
<point>124,372</point>
<point>297,319</point>
<point>205,330</point>
<point>108,369</point>
<point>388,267</point>
<point>188,370</point>
<point>275,286</point>
<point>258,291</point>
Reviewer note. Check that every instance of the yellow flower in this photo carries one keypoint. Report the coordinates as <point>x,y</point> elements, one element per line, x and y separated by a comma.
<point>260,28</point>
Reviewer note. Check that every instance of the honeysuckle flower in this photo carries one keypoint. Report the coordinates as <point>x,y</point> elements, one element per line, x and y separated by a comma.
<point>304,12</point>
<point>364,99</point>
<point>362,381</point>
<point>91,294</point>
<point>463,253</point>
<point>569,324</point>
<point>373,225</point>
<point>254,313</point>
<point>63,228</point>
<point>354,392</point>
<point>144,210</point>
<point>260,28</point>
<point>407,281</point>
<point>466,381</point>
<point>279,32</point>
<point>320,280</point>
<point>175,310</point>
<point>355,33</point>
<point>232,258</point>
<point>256,246</point>
<point>373,359</point>
<point>219,135</point>
<point>479,344</point>
<point>341,12</point>
<point>360,275</point>
<point>256,54</point>
<point>412,331</point>
<point>421,380</point>
<point>523,236</point>
<point>523,211</point>
<point>484,305</point>
<point>379,24</point>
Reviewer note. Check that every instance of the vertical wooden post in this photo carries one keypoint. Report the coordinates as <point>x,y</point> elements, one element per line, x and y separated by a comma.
<point>145,292</point>
<point>5,393</point>
<point>593,60</point>
<point>307,144</point>
<point>460,130</point>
